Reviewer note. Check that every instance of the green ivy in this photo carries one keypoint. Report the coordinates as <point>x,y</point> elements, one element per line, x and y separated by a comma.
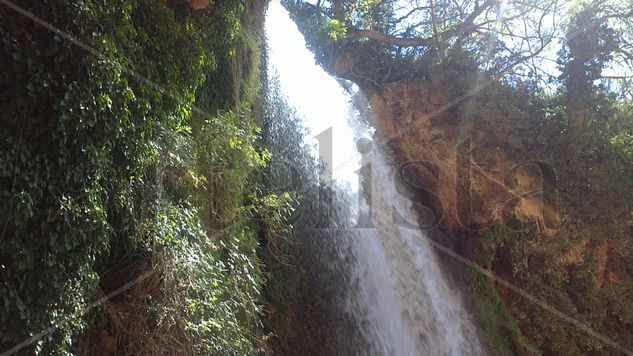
<point>86,141</point>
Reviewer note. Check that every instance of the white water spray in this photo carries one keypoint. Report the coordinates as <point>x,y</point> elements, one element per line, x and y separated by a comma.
<point>400,300</point>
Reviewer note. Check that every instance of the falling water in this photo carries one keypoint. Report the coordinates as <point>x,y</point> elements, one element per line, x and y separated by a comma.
<point>391,286</point>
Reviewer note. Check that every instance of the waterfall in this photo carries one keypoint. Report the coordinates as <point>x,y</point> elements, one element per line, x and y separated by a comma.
<point>387,280</point>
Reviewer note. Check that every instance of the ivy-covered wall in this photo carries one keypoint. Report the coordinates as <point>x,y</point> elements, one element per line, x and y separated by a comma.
<point>129,173</point>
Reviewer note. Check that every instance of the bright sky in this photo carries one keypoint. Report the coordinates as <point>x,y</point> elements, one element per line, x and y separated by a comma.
<point>546,61</point>
<point>317,96</point>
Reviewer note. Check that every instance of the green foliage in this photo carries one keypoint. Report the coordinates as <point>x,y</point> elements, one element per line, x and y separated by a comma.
<point>544,274</point>
<point>212,283</point>
<point>499,325</point>
<point>623,144</point>
<point>591,170</point>
<point>141,150</point>
<point>502,334</point>
<point>337,30</point>
<point>590,165</point>
<point>590,43</point>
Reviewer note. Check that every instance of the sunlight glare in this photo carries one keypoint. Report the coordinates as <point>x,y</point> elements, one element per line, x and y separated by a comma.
<point>317,96</point>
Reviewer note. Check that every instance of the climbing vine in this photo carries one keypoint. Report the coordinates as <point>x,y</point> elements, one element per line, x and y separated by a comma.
<point>121,140</point>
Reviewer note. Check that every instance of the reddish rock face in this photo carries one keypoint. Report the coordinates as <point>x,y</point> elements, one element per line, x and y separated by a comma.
<point>454,158</point>
<point>198,4</point>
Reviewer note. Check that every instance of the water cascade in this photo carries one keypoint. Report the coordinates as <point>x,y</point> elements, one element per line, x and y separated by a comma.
<point>392,290</point>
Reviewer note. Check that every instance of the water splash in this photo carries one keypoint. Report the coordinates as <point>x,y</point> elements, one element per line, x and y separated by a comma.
<point>395,291</point>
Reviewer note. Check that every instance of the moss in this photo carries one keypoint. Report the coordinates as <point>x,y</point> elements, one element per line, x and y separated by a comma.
<point>499,325</point>
<point>502,334</point>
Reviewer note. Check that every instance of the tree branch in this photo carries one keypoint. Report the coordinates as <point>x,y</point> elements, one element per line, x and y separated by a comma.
<point>467,27</point>
<point>393,40</point>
